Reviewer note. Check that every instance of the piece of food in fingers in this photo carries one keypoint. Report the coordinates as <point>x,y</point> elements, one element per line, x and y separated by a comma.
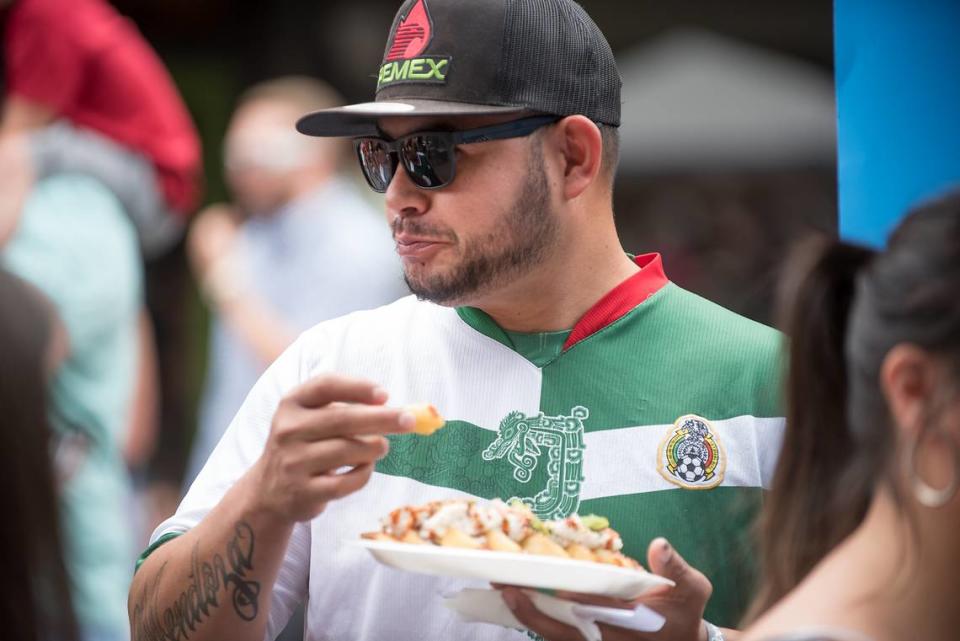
<point>428,418</point>
<point>499,527</point>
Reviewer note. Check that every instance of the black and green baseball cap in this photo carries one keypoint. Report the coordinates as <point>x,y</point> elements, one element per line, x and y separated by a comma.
<point>484,57</point>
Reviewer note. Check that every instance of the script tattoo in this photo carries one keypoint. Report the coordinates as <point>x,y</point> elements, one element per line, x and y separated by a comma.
<point>208,581</point>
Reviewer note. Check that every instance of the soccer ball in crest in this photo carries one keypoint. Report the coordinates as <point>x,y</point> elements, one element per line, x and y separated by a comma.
<point>690,469</point>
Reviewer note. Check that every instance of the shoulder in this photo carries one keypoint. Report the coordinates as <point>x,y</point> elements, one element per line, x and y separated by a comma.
<point>402,326</point>
<point>718,331</point>
<point>717,349</point>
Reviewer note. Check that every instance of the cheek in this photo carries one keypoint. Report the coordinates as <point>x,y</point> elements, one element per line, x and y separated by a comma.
<point>254,187</point>
<point>481,197</point>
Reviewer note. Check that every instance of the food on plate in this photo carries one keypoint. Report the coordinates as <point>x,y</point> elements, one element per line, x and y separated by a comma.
<point>428,418</point>
<point>500,527</point>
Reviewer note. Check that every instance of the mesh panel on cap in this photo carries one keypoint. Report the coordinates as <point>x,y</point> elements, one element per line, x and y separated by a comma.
<point>556,60</point>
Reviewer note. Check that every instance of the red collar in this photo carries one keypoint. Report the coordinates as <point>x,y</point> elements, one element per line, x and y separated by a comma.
<point>621,299</point>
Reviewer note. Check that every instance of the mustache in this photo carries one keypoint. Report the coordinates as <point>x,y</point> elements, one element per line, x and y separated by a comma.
<point>415,227</point>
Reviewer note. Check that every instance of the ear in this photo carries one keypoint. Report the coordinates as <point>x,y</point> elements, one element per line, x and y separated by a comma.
<point>908,380</point>
<point>581,151</point>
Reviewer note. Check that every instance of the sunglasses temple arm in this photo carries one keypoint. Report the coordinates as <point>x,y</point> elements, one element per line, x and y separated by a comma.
<point>513,129</point>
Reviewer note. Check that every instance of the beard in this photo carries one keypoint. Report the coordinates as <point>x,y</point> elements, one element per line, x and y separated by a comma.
<point>520,242</point>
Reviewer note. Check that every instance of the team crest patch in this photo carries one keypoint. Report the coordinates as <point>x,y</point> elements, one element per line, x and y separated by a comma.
<point>523,439</point>
<point>691,455</point>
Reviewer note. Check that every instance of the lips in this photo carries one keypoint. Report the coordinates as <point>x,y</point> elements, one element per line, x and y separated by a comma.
<point>417,248</point>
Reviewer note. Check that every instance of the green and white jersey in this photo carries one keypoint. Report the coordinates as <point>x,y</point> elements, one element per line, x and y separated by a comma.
<point>659,410</point>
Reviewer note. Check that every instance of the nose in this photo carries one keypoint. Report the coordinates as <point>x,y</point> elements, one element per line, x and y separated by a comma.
<point>403,198</point>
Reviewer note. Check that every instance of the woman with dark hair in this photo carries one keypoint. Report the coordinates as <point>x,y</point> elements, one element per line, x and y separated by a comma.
<point>35,600</point>
<point>861,533</point>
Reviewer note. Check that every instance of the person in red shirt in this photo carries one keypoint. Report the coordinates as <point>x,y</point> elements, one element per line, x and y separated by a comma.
<point>84,92</point>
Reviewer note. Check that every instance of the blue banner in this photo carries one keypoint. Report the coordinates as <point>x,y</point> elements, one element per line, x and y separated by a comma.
<point>898,109</point>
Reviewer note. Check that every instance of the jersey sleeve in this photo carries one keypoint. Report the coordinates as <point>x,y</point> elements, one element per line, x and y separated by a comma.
<point>240,447</point>
<point>43,62</point>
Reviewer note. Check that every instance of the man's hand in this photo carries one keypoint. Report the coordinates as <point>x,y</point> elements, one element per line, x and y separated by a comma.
<point>682,605</point>
<point>325,439</point>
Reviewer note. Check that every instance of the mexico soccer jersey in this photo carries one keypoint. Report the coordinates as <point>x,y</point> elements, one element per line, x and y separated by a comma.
<point>659,410</point>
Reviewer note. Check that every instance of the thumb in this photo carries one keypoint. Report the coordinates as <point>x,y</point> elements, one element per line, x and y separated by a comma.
<point>667,562</point>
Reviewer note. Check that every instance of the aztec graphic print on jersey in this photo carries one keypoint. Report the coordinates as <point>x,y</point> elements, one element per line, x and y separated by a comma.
<point>659,410</point>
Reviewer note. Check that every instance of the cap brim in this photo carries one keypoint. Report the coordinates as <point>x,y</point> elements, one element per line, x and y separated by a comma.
<point>361,119</point>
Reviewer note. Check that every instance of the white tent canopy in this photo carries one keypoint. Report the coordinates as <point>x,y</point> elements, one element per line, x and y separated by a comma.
<point>693,100</point>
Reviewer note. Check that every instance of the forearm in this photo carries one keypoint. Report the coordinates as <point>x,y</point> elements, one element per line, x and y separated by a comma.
<point>256,324</point>
<point>216,581</point>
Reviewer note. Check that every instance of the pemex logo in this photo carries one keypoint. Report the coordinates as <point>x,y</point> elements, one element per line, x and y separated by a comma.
<point>403,62</point>
<point>413,33</point>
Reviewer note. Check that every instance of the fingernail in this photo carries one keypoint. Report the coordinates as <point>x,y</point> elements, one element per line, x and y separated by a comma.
<point>379,394</point>
<point>407,420</point>
<point>666,552</point>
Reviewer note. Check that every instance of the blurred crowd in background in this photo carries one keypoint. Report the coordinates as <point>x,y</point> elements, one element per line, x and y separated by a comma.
<point>165,233</point>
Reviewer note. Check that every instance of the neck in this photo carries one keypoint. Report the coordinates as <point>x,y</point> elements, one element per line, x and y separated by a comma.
<point>893,578</point>
<point>555,295</point>
<point>917,560</point>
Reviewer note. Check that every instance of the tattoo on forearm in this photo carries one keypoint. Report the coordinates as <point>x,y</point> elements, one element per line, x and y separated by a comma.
<point>208,580</point>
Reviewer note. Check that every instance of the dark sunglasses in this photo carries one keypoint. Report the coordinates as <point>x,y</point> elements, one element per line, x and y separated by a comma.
<point>429,157</point>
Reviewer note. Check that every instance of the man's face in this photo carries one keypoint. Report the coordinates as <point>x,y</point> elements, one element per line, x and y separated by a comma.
<point>261,152</point>
<point>493,224</point>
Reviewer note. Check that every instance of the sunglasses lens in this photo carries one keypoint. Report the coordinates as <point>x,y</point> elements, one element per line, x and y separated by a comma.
<point>377,163</point>
<point>428,160</point>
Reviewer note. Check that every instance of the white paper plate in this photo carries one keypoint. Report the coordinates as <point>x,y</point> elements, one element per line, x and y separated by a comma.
<point>527,570</point>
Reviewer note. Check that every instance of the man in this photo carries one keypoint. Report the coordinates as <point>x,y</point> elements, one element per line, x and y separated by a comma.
<point>526,307</point>
<point>296,226</point>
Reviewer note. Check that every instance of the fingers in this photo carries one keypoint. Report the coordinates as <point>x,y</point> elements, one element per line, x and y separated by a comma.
<point>331,487</point>
<point>327,424</point>
<point>293,423</point>
<point>327,389</point>
<point>527,614</point>
<point>329,455</point>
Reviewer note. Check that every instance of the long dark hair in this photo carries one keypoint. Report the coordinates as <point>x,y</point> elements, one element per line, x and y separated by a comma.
<point>844,307</point>
<point>35,602</point>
